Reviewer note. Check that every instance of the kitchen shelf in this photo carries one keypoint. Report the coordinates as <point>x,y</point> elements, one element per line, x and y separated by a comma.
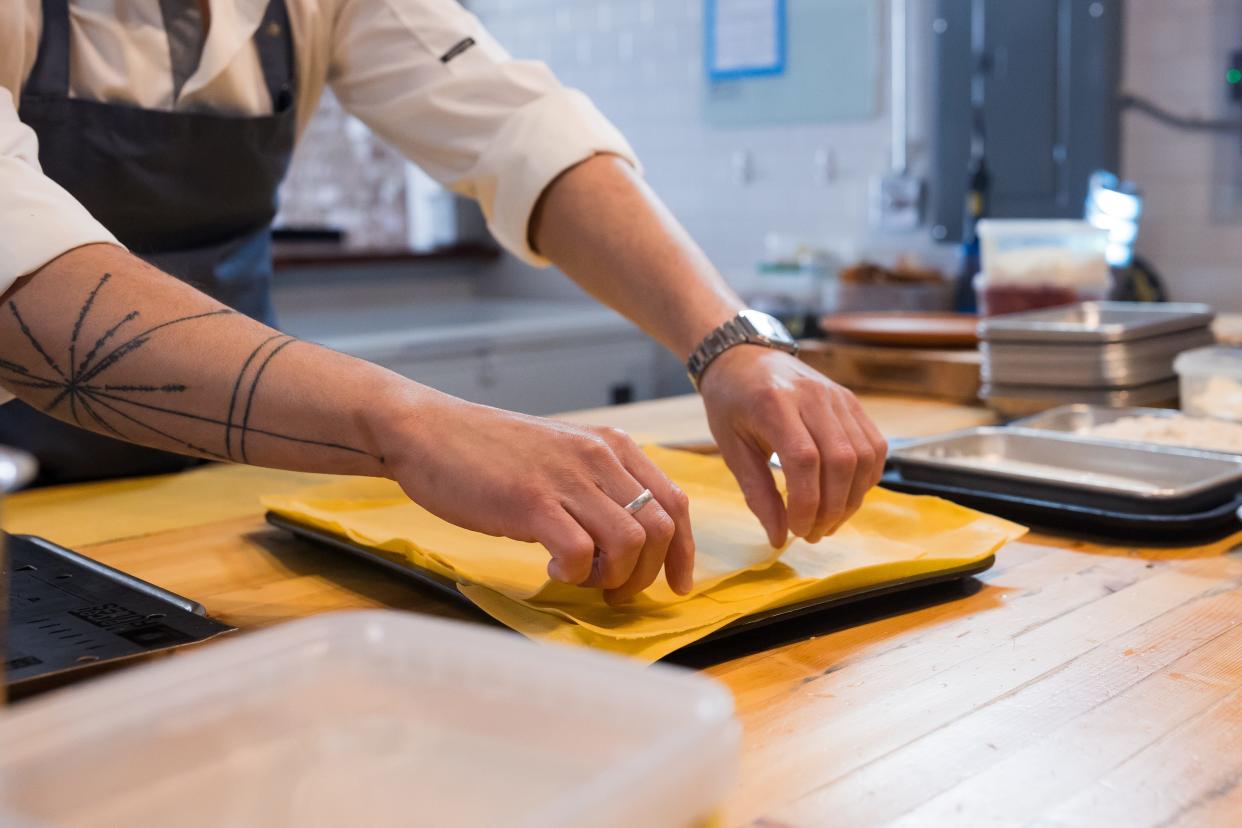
<point>288,255</point>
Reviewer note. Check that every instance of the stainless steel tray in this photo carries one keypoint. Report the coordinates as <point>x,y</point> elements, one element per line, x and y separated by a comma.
<point>1069,469</point>
<point>1082,419</point>
<point>1096,322</point>
<point>1114,365</point>
<point>1025,400</point>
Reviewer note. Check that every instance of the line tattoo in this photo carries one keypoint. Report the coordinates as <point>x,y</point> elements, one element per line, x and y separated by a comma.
<point>81,386</point>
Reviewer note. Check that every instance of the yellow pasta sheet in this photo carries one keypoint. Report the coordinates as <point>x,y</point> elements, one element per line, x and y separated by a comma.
<point>891,539</point>
<point>88,513</point>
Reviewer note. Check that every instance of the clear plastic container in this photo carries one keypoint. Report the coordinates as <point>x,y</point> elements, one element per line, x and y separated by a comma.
<point>375,719</point>
<point>1211,382</point>
<point>1001,299</point>
<point>1031,264</point>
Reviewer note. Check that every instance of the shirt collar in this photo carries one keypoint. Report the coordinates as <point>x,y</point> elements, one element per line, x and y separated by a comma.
<point>233,24</point>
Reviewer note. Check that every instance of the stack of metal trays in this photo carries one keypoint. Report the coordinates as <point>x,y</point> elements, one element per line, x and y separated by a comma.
<point>1102,353</point>
<point>1066,481</point>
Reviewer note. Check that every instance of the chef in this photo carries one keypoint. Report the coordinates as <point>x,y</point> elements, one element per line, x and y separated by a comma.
<point>142,143</point>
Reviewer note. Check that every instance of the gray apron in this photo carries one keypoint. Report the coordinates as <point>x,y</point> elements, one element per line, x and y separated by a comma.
<point>192,193</point>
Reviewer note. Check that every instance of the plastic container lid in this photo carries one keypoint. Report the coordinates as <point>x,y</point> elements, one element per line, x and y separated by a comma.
<point>1036,231</point>
<point>1214,361</point>
<point>1035,251</point>
<point>376,719</point>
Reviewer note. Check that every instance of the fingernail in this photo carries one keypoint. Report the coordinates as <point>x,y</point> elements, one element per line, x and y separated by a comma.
<point>557,572</point>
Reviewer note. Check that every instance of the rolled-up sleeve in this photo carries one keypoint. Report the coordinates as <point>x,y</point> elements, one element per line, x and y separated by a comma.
<point>426,77</point>
<point>39,220</point>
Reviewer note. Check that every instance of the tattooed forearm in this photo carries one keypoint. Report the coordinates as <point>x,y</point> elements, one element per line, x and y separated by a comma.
<point>99,390</point>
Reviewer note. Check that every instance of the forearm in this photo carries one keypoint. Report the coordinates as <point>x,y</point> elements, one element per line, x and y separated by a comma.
<point>101,340</point>
<point>603,226</point>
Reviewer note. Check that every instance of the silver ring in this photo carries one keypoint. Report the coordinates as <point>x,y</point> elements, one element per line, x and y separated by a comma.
<point>639,502</point>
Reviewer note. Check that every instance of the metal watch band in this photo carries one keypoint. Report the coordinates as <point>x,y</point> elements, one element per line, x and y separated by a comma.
<point>729,334</point>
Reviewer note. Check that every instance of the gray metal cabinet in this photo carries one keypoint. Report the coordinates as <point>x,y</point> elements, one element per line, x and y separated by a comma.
<point>1052,69</point>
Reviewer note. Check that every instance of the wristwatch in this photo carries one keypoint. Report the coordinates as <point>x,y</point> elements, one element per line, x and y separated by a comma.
<point>749,327</point>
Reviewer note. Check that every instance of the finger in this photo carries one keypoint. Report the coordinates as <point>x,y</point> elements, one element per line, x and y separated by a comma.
<point>749,465</point>
<point>878,443</point>
<point>619,539</point>
<point>679,554</point>
<point>838,465</point>
<point>659,529</point>
<point>800,460</point>
<point>572,548</point>
<point>864,471</point>
<point>622,487</point>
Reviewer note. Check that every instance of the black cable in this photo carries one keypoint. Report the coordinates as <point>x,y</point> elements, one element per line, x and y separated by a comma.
<point>1174,120</point>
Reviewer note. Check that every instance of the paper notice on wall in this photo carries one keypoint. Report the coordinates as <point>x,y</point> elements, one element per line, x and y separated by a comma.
<point>745,37</point>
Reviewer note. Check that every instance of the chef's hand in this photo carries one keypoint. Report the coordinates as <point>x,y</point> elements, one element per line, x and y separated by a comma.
<point>532,479</point>
<point>761,401</point>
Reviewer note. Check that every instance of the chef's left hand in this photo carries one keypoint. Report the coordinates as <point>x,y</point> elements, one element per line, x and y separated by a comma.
<point>761,401</point>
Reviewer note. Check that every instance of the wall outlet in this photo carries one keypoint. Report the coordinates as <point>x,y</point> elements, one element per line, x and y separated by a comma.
<point>896,202</point>
<point>743,163</point>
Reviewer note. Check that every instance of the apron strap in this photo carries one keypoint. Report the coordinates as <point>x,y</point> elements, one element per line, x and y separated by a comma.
<point>274,43</point>
<point>50,76</point>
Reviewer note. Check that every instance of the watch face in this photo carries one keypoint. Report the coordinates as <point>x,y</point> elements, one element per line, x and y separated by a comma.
<point>766,326</point>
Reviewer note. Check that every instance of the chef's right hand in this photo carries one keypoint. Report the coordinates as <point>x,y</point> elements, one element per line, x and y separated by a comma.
<point>533,479</point>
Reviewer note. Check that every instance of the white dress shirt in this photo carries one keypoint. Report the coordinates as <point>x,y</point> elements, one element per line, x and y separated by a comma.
<point>486,125</point>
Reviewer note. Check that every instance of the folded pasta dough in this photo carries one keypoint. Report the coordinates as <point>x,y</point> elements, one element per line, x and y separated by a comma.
<point>892,538</point>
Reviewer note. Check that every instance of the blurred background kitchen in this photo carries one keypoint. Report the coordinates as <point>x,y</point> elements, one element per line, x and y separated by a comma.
<point>830,155</point>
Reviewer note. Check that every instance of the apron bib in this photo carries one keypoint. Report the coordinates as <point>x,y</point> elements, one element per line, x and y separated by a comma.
<point>192,193</point>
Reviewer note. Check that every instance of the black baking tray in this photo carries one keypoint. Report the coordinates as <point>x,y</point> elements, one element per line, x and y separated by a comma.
<point>448,588</point>
<point>1216,522</point>
<point>70,616</point>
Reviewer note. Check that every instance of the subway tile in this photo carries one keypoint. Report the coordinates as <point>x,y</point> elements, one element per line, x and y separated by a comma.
<point>641,60</point>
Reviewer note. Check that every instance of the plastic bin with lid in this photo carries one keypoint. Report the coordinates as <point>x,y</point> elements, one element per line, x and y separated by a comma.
<point>1035,263</point>
<point>376,719</point>
<point>1211,382</point>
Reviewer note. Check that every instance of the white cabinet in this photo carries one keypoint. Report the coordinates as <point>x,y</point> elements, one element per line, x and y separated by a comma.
<point>534,357</point>
<point>543,378</point>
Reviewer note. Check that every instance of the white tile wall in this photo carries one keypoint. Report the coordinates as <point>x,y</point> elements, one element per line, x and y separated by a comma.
<point>1175,54</point>
<point>343,176</point>
<point>641,62</point>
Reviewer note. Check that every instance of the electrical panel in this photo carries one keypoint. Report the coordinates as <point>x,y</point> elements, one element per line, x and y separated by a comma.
<point>1048,73</point>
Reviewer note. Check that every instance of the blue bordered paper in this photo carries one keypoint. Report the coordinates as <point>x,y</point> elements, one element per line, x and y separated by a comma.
<point>745,38</point>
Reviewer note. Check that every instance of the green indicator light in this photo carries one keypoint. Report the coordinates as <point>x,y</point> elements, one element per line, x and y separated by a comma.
<point>1234,76</point>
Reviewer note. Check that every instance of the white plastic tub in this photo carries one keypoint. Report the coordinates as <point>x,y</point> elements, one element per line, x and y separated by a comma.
<point>1029,264</point>
<point>1211,382</point>
<point>374,719</point>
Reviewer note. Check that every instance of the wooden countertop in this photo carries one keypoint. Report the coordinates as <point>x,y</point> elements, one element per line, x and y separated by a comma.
<point>1079,684</point>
